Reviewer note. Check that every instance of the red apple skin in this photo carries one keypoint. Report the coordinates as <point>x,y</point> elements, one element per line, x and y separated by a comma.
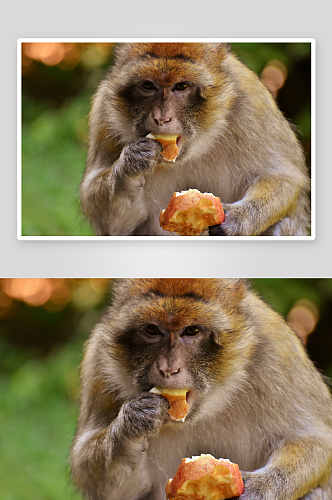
<point>205,478</point>
<point>190,213</point>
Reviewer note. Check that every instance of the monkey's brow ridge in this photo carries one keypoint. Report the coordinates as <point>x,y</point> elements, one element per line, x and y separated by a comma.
<point>158,56</point>
<point>187,295</point>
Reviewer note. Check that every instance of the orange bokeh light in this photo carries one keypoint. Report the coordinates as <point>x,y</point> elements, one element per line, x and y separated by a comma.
<point>303,318</point>
<point>49,53</point>
<point>66,55</point>
<point>54,294</point>
<point>33,291</point>
<point>274,76</point>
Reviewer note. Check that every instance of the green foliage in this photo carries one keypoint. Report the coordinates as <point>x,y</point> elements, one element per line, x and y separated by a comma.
<point>256,55</point>
<point>38,419</point>
<point>53,159</point>
<point>281,293</point>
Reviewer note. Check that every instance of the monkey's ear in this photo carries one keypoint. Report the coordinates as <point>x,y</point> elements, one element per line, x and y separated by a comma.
<point>119,291</point>
<point>218,51</point>
<point>236,283</point>
<point>233,290</point>
<point>222,46</point>
<point>213,55</point>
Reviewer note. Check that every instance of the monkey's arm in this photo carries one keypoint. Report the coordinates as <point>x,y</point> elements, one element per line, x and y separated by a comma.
<point>294,469</point>
<point>109,462</point>
<point>112,194</point>
<point>266,202</point>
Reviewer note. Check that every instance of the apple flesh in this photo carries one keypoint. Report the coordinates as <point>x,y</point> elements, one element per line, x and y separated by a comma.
<point>177,400</point>
<point>168,142</point>
<point>190,212</point>
<point>205,478</point>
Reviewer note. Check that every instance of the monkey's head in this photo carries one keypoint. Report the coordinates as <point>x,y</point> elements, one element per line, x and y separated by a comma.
<point>169,88</point>
<point>178,333</point>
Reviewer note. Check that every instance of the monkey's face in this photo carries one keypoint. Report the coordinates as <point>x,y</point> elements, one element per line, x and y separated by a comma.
<point>169,88</point>
<point>176,334</point>
<point>154,105</point>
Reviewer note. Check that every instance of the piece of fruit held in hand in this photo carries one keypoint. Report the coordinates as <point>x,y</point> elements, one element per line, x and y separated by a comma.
<point>205,478</point>
<point>177,399</point>
<point>168,142</point>
<point>190,212</point>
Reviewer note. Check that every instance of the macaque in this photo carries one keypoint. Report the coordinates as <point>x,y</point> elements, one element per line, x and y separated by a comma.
<point>233,142</point>
<point>254,396</point>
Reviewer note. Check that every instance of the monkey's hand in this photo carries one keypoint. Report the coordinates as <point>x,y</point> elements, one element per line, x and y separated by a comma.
<point>257,486</point>
<point>137,158</point>
<point>139,418</point>
<point>143,416</point>
<point>266,202</point>
<point>293,470</point>
<point>113,197</point>
<point>230,226</point>
<point>244,219</point>
<point>250,487</point>
<point>112,459</point>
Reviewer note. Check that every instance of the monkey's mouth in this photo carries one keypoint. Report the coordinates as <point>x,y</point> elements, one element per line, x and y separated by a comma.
<point>171,150</point>
<point>172,144</point>
<point>180,401</point>
<point>190,398</point>
<point>179,142</point>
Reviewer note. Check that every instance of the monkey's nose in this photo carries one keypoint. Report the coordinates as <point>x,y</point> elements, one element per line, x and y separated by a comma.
<point>161,119</point>
<point>168,371</point>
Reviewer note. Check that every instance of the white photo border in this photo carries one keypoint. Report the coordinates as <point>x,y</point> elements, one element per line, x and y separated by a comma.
<point>20,41</point>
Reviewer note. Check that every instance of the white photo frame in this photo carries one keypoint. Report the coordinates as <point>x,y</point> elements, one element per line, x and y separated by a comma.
<point>312,236</point>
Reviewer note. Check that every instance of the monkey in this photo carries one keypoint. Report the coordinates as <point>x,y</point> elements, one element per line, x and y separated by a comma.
<point>233,142</point>
<point>254,395</point>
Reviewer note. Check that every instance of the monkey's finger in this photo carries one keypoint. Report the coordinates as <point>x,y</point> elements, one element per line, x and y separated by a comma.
<point>149,141</point>
<point>164,406</point>
<point>217,230</point>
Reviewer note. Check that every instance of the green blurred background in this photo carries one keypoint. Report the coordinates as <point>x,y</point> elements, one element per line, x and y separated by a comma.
<point>58,81</point>
<point>43,326</point>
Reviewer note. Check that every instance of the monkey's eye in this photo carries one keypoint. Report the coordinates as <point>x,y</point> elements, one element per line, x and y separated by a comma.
<point>191,330</point>
<point>181,86</point>
<point>148,86</point>
<point>152,330</point>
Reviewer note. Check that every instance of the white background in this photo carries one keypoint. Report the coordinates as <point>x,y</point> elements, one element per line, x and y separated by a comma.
<point>165,18</point>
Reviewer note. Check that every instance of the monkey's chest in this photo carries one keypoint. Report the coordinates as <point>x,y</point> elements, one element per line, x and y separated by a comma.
<point>160,186</point>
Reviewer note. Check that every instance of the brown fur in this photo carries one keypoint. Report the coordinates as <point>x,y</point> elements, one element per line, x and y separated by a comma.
<point>235,143</point>
<point>255,397</point>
